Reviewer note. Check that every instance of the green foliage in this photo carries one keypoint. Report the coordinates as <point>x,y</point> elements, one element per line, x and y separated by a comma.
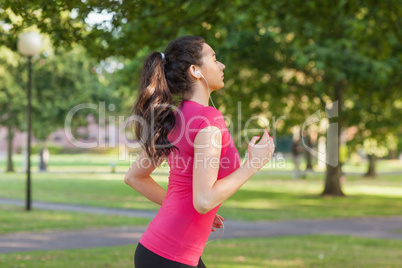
<point>12,93</point>
<point>52,18</point>
<point>283,58</point>
<point>62,81</point>
<point>52,149</point>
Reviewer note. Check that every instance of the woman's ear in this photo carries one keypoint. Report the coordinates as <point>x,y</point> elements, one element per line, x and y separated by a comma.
<point>194,72</point>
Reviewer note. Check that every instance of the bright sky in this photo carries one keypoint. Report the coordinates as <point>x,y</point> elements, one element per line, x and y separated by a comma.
<point>93,18</point>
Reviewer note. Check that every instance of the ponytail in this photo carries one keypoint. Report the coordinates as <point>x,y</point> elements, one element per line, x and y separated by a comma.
<point>163,76</point>
<point>153,107</point>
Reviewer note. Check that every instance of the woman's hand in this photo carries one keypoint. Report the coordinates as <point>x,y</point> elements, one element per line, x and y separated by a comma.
<point>259,154</point>
<point>217,222</point>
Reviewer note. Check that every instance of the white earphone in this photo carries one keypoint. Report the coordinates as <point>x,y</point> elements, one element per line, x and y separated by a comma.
<point>198,72</point>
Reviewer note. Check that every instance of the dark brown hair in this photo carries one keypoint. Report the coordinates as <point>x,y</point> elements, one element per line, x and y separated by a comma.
<point>160,80</point>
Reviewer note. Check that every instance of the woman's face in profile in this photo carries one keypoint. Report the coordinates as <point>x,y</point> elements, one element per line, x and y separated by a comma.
<point>212,69</point>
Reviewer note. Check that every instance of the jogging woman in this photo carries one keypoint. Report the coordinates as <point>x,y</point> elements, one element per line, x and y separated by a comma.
<point>205,167</point>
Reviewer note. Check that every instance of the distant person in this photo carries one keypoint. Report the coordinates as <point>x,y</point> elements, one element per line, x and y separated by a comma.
<point>204,163</point>
<point>44,156</point>
<point>297,150</point>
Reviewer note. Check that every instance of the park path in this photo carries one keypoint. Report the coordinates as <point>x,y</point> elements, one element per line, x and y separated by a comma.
<point>376,227</point>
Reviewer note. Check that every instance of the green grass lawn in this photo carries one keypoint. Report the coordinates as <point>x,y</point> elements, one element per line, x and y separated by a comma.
<point>103,163</point>
<point>107,190</point>
<point>76,162</point>
<point>15,219</point>
<point>291,251</point>
<point>263,197</point>
<point>266,196</point>
<point>271,197</point>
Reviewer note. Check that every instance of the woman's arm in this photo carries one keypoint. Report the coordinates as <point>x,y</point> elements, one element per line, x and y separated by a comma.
<point>139,178</point>
<point>208,192</point>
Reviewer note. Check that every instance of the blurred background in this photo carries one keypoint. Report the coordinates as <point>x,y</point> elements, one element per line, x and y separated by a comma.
<point>324,77</point>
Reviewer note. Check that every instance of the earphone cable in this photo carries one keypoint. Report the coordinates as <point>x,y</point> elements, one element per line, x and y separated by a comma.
<point>223,230</point>
<point>208,89</point>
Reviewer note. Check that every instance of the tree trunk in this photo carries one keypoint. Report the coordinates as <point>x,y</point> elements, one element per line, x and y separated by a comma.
<point>309,163</point>
<point>371,168</point>
<point>332,184</point>
<point>10,136</point>
<point>334,115</point>
<point>43,159</point>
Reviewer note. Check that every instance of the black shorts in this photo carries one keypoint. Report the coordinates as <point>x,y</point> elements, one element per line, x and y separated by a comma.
<point>144,258</point>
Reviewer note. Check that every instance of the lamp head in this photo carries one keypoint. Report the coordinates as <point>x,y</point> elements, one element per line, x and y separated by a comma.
<point>29,44</point>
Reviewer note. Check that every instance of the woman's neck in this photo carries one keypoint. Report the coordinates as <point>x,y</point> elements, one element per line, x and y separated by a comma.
<point>200,96</point>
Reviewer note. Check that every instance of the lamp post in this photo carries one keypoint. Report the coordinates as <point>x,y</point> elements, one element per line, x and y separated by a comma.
<point>29,44</point>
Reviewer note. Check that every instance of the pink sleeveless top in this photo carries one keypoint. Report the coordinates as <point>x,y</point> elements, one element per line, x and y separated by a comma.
<point>178,232</point>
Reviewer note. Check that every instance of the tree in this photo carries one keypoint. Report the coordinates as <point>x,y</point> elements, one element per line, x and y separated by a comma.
<point>338,49</point>
<point>62,81</point>
<point>133,25</point>
<point>354,44</point>
<point>330,49</point>
<point>62,78</point>
<point>12,98</point>
<point>377,115</point>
